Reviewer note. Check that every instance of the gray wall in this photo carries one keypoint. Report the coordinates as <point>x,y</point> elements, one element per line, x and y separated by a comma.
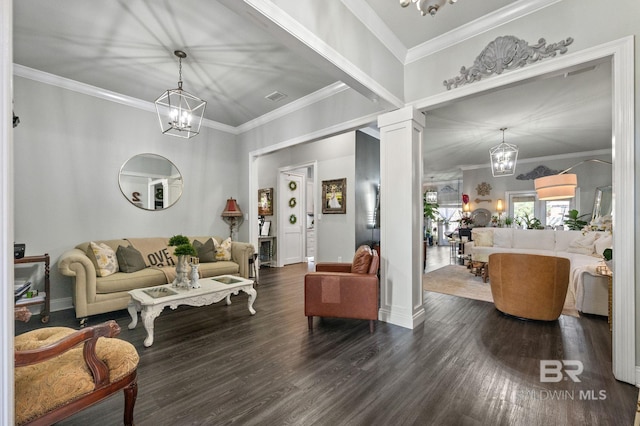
<point>69,149</point>
<point>366,182</point>
<point>590,175</point>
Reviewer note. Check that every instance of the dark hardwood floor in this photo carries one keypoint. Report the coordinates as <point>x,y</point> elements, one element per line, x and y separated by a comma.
<point>466,365</point>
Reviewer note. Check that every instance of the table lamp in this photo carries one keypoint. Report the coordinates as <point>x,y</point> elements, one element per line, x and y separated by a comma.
<point>232,215</point>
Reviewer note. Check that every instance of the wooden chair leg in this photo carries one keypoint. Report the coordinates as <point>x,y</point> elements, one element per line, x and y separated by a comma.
<point>310,322</point>
<point>372,326</point>
<point>130,395</point>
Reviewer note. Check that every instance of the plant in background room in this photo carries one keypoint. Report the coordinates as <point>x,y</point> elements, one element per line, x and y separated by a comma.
<point>532,222</point>
<point>466,221</point>
<point>608,258</point>
<point>573,221</point>
<point>508,221</point>
<point>431,214</point>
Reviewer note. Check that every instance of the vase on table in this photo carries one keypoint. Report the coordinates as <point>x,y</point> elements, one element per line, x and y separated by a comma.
<point>182,272</point>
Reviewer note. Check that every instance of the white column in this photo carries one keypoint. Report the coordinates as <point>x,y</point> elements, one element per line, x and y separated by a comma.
<point>401,217</point>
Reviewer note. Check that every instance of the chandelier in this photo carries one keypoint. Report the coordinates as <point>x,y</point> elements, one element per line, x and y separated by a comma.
<point>179,112</point>
<point>427,6</point>
<point>503,158</point>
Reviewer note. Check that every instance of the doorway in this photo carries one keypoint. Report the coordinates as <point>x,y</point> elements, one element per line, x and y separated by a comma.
<point>620,54</point>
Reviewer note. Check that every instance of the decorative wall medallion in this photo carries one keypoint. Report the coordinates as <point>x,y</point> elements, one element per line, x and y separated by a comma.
<point>506,53</point>
<point>483,189</point>
<point>539,171</point>
<point>448,189</point>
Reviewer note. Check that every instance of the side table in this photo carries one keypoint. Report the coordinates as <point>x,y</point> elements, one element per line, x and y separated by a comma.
<point>41,298</point>
<point>605,271</point>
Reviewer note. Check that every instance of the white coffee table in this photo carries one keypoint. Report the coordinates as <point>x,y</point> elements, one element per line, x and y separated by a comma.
<point>151,301</point>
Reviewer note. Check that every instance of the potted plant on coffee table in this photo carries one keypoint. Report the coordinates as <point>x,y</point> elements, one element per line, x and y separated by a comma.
<point>183,250</point>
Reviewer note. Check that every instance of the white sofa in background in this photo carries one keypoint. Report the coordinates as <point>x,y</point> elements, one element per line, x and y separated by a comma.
<point>582,249</point>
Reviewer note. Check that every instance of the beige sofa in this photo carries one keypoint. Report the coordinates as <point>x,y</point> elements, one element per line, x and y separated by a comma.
<point>93,294</point>
<point>582,249</point>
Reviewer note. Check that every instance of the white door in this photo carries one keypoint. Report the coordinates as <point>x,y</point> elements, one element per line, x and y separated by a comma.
<point>293,218</point>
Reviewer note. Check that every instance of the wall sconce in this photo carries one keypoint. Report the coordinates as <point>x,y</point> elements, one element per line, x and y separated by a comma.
<point>232,215</point>
<point>466,208</point>
<point>500,206</point>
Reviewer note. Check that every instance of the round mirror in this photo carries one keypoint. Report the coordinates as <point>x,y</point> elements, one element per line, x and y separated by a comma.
<point>150,181</point>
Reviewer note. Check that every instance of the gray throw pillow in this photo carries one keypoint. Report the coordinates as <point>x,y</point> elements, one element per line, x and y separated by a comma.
<point>130,259</point>
<point>206,252</point>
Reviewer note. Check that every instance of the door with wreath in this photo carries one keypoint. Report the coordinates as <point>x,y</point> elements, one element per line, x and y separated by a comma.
<point>292,218</point>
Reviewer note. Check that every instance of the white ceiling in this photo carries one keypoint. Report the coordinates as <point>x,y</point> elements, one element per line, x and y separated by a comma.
<point>234,61</point>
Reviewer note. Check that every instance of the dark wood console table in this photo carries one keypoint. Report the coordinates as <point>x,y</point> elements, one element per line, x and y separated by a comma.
<point>42,298</point>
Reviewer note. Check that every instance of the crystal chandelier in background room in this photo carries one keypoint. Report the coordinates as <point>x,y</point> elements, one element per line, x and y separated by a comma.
<point>503,158</point>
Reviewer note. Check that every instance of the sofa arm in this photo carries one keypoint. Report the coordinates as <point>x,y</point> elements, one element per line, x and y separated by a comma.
<point>75,263</point>
<point>333,267</point>
<point>241,253</point>
<point>468,246</point>
<point>343,295</point>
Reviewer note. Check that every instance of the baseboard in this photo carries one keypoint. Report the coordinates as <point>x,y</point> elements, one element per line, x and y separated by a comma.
<point>61,304</point>
<point>402,320</point>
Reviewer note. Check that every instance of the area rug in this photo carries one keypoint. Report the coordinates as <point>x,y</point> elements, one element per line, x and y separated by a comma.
<point>456,280</point>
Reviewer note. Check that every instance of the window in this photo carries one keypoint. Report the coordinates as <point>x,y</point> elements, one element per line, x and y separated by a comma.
<point>551,213</point>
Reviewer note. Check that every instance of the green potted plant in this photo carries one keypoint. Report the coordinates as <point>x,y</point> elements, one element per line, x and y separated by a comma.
<point>183,246</point>
<point>608,258</point>
<point>573,221</point>
<point>508,221</point>
<point>183,250</point>
<point>532,222</point>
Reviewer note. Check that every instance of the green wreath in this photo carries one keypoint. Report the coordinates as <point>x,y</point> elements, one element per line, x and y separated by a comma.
<point>292,185</point>
<point>293,219</point>
<point>292,202</point>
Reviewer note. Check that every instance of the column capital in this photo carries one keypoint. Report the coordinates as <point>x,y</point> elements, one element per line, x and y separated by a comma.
<point>400,116</point>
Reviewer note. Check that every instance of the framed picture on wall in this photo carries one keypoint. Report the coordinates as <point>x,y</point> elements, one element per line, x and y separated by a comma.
<point>334,196</point>
<point>265,202</point>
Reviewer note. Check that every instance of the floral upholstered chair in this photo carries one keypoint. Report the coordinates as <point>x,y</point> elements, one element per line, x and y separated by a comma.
<point>60,371</point>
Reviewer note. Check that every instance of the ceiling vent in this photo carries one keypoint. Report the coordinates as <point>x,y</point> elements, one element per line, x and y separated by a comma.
<point>275,96</point>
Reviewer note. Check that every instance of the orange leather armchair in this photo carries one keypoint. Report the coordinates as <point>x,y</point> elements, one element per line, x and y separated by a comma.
<point>344,290</point>
<point>529,286</point>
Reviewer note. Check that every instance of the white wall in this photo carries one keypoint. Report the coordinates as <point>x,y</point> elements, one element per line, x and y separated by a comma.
<point>335,156</point>
<point>69,149</point>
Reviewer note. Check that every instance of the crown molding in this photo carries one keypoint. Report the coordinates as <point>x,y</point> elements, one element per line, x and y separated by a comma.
<point>476,27</point>
<point>370,19</point>
<point>607,151</point>
<point>318,95</point>
<point>298,31</point>
<point>97,92</point>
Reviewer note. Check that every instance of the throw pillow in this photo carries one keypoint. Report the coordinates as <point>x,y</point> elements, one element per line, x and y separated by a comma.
<point>361,260</point>
<point>206,251</point>
<point>129,259</point>
<point>104,258</point>
<point>483,239</point>
<point>223,250</point>
<point>583,245</point>
<point>603,243</point>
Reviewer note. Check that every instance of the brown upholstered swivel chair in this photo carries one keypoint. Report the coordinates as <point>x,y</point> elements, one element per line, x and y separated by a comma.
<point>60,371</point>
<point>529,286</point>
<point>344,290</point>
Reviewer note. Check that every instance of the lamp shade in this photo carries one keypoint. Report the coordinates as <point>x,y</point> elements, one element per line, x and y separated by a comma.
<point>556,187</point>
<point>466,208</point>
<point>232,209</point>
<point>500,206</point>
